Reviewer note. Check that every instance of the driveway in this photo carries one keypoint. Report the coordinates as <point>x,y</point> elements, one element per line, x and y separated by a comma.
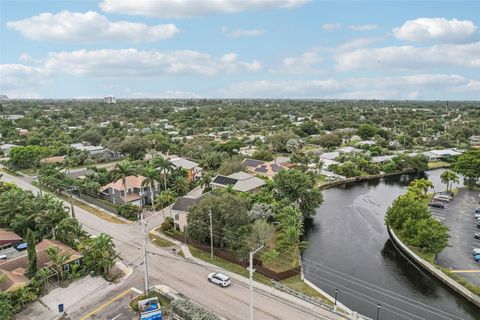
<point>458,217</point>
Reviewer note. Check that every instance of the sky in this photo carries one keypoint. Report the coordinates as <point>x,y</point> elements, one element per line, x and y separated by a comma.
<point>296,49</point>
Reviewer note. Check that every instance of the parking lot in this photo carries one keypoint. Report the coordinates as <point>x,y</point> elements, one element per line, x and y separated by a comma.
<point>458,217</point>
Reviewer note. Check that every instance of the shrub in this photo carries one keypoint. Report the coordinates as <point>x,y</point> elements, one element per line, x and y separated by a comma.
<point>129,211</point>
<point>190,311</point>
<point>167,224</point>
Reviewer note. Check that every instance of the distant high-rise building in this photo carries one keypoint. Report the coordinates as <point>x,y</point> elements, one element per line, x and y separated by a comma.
<point>110,99</point>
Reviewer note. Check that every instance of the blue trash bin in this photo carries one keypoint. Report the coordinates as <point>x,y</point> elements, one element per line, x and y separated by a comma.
<point>60,307</point>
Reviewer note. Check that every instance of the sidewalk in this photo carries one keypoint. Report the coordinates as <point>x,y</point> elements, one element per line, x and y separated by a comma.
<point>260,287</point>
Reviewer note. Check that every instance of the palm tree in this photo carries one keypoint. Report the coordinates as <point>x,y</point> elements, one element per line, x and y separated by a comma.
<point>165,198</point>
<point>181,185</point>
<point>121,171</point>
<point>67,164</point>
<point>152,176</point>
<point>422,184</point>
<point>289,242</point>
<point>165,166</point>
<point>205,181</point>
<point>70,232</point>
<point>99,253</point>
<point>449,177</point>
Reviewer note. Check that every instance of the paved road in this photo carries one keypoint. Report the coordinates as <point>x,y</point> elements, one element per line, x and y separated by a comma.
<point>458,217</point>
<point>184,276</point>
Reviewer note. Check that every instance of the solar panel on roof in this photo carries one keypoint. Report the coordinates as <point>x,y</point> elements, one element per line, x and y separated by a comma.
<point>224,180</point>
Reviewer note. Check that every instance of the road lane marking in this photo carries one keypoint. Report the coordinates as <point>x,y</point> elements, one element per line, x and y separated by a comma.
<point>118,315</point>
<point>106,304</point>
<point>465,271</point>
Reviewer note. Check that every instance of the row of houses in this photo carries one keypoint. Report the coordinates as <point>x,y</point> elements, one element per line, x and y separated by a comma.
<point>14,263</point>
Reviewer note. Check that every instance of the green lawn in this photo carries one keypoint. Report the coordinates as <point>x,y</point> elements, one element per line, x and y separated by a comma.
<point>161,242</point>
<point>297,284</point>
<point>294,282</point>
<point>438,164</point>
<point>232,267</point>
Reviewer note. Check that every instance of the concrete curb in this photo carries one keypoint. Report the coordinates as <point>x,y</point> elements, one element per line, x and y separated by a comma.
<point>427,266</point>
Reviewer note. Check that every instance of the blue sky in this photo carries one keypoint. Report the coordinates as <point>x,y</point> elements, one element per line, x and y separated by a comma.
<point>240,49</point>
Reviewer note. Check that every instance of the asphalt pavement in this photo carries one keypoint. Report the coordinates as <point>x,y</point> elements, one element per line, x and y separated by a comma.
<point>458,217</point>
<point>186,277</point>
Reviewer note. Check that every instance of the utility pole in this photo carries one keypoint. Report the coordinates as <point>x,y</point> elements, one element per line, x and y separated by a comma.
<point>145,260</point>
<point>251,270</point>
<point>70,189</point>
<point>211,234</point>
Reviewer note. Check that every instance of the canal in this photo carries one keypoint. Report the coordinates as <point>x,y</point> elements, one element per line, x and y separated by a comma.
<point>349,250</point>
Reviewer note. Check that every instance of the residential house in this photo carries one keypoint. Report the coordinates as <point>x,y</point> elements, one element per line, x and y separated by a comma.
<point>329,155</point>
<point>5,148</point>
<point>137,194</point>
<point>12,117</point>
<point>23,132</point>
<point>247,151</point>
<point>349,150</point>
<point>383,159</point>
<point>93,151</point>
<point>181,208</point>
<point>13,270</point>
<point>194,170</point>
<point>8,238</point>
<point>268,169</point>
<point>53,160</point>
<point>474,140</point>
<point>239,181</point>
<point>437,155</point>
<point>365,143</point>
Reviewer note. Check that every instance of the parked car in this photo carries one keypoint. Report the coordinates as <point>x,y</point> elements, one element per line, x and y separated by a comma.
<point>448,193</point>
<point>477,258</point>
<point>476,251</point>
<point>477,210</point>
<point>476,235</point>
<point>437,204</point>
<point>22,246</point>
<point>219,278</point>
<point>441,198</point>
<point>445,195</point>
<point>476,215</point>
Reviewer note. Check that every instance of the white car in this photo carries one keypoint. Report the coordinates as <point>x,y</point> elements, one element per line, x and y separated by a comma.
<point>476,251</point>
<point>219,278</point>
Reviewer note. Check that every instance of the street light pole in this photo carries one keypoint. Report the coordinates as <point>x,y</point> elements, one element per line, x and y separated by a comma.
<point>145,260</point>
<point>250,269</point>
<point>378,310</point>
<point>336,292</point>
<point>211,234</point>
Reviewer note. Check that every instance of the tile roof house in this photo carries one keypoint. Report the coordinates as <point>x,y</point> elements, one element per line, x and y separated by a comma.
<point>55,160</point>
<point>193,168</point>
<point>13,269</point>
<point>136,193</point>
<point>240,181</point>
<point>8,238</point>
<point>268,169</point>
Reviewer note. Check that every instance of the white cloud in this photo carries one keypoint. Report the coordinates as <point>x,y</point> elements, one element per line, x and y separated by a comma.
<point>88,27</point>
<point>168,94</point>
<point>191,8</point>
<point>409,57</point>
<point>331,26</point>
<point>363,27</point>
<point>418,86</point>
<point>122,63</point>
<point>237,33</point>
<point>306,63</point>
<point>436,29</point>
<point>357,43</point>
<point>18,76</point>
<point>281,88</point>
